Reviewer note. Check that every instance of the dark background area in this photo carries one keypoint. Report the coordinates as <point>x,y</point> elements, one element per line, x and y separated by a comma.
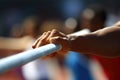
<point>14,11</point>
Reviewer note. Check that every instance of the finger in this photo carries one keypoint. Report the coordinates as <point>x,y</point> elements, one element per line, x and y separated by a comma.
<point>36,42</point>
<point>43,40</point>
<point>54,33</point>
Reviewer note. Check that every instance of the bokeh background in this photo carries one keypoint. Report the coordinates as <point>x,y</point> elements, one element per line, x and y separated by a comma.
<point>14,11</point>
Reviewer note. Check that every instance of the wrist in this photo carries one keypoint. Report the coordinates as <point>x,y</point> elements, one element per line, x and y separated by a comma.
<point>71,42</point>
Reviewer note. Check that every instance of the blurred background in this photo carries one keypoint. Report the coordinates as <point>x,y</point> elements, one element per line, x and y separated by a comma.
<point>15,11</point>
<point>22,21</point>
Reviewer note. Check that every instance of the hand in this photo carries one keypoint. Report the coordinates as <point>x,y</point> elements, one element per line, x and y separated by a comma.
<point>55,37</point>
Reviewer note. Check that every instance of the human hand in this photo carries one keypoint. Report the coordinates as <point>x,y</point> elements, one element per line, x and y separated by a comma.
<point>55,37</point>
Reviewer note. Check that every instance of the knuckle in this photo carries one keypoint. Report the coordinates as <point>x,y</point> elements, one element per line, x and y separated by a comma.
<point>55,31</point>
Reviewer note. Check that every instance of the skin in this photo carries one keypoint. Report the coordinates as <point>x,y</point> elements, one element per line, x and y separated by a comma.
<point>104,42</point>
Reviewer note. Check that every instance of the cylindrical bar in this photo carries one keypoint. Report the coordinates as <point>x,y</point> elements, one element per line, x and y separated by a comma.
<point>27,56</point>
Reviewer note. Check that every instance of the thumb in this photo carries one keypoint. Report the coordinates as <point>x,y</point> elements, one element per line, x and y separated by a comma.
<point>60,40</point>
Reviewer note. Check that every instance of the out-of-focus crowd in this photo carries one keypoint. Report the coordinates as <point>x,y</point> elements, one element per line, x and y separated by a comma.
<point>74,66</point>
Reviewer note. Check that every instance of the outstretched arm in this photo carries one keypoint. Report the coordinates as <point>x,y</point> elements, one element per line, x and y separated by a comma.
<point>104,42</point>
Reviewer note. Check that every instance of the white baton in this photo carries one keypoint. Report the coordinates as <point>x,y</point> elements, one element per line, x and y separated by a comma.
<point>27,56</point>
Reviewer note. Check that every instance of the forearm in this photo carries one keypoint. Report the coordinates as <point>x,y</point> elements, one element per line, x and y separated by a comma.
<point>104,42</point>
<point>14,43</point>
